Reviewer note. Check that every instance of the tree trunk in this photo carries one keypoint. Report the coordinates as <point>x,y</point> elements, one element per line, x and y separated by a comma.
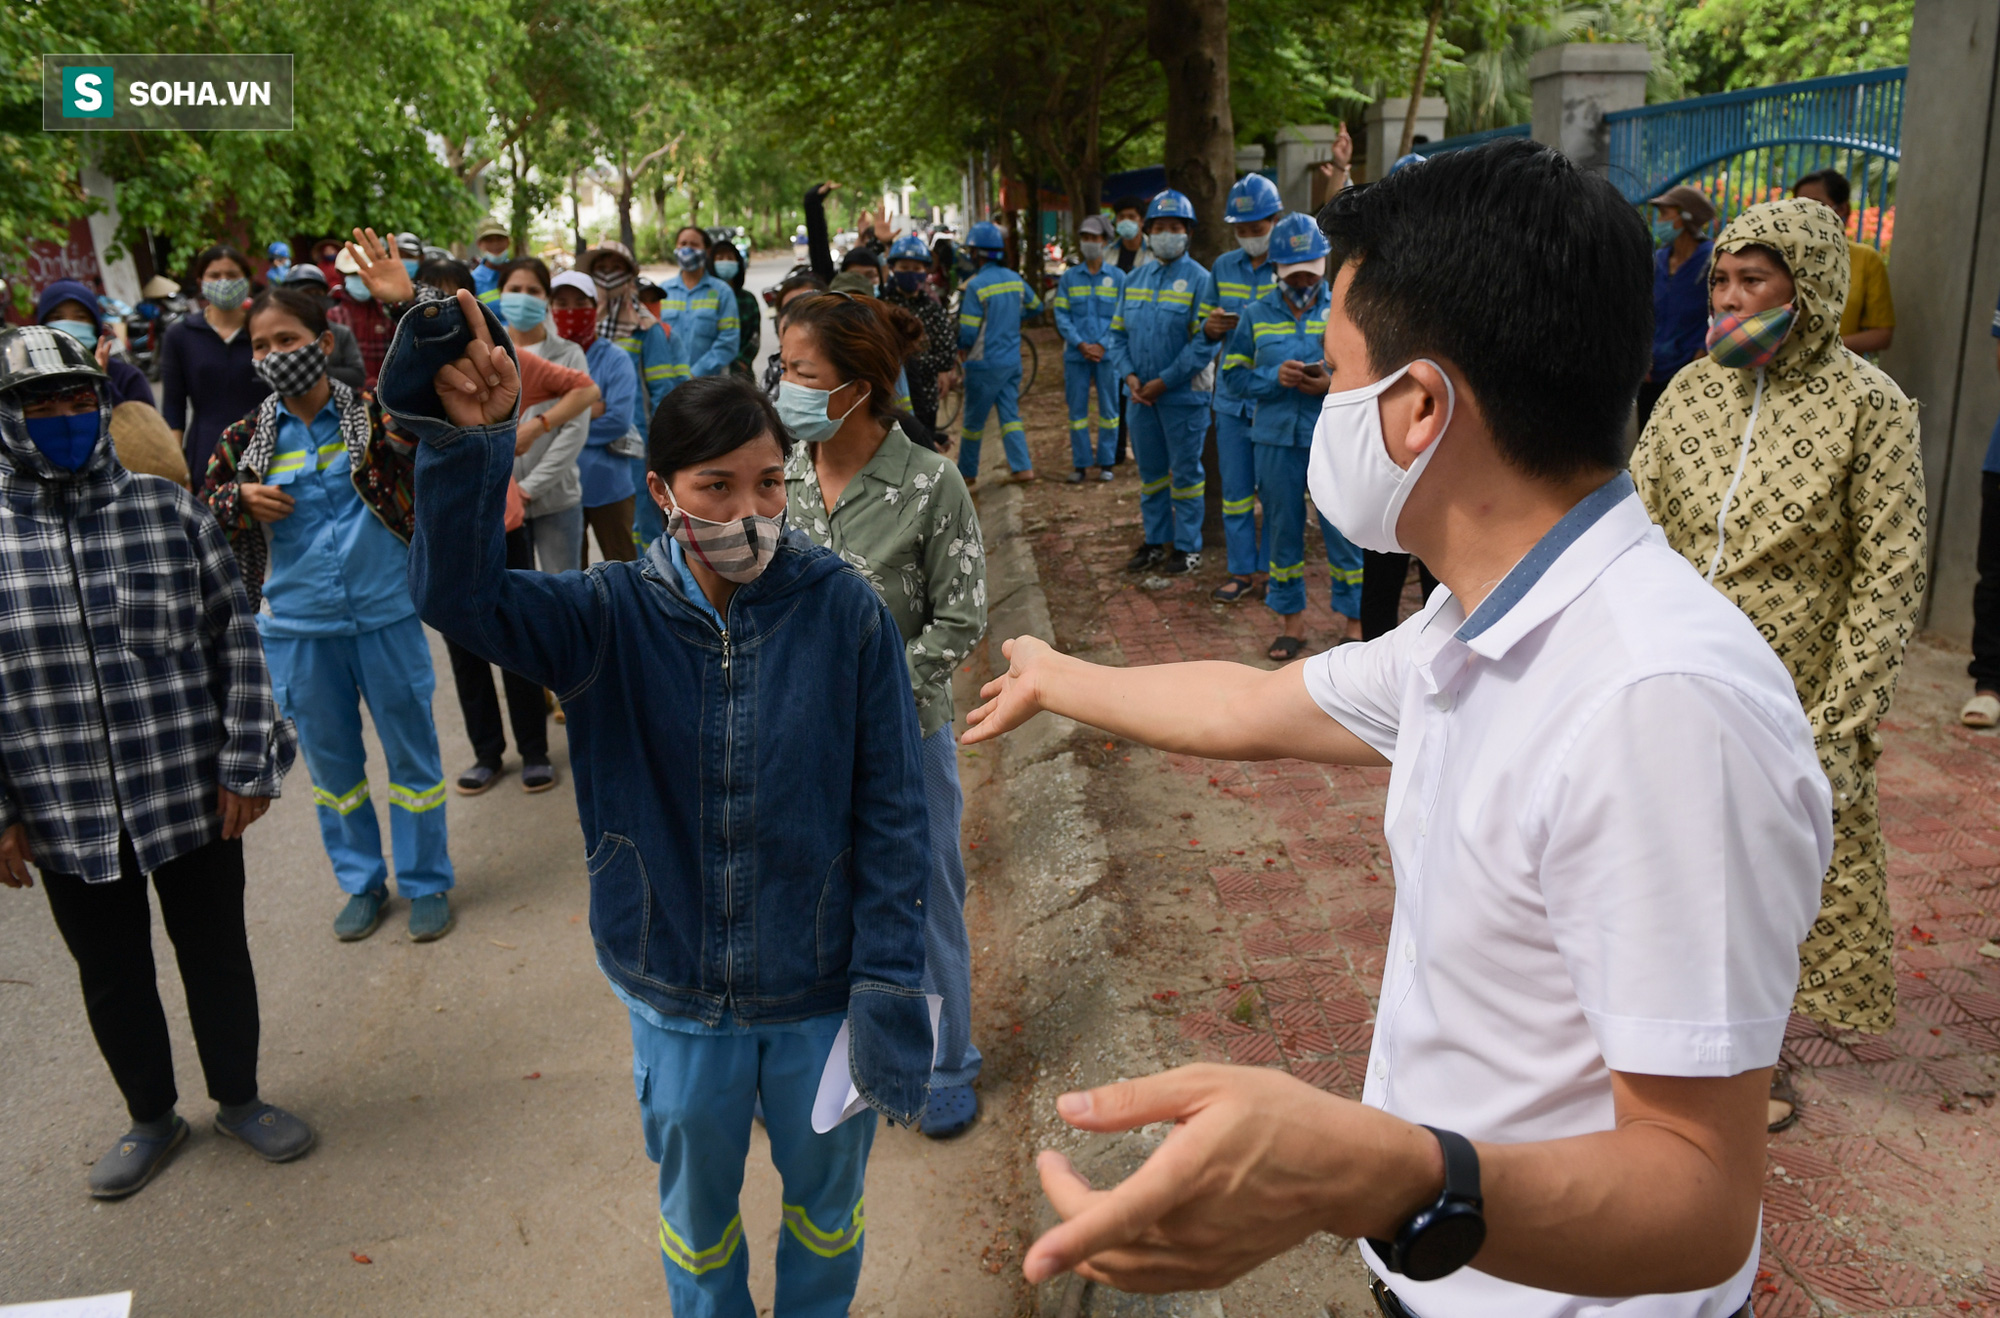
<point>576,215</point>
<point>1190,39</point>
<point>1031,237</point>
<point>1417,83</point>
<point>517,219</point>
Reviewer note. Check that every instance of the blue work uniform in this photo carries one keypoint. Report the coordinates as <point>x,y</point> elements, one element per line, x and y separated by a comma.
<point>990,306</point>
<point>1084,304</point>
<point>1281,443</point>
<point>704,322</point>
<point>607,477</point>
<point>485,281</point>
<point>342,628</point>
<point>1156,335</point>
<point>1238,283</point>
<point>661,364</point>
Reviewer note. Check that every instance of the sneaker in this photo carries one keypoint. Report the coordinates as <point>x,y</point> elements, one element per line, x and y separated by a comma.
<point>275,1134</point>
<point>1177,564</point>
<point>133,1161</point>
<point>1077,477</point>
<point>1104,473</point>
<point>1149,556</point>
<point>538,777</point>
<point>430,918</point>
<point>477,779</point>
<point>359,917</point>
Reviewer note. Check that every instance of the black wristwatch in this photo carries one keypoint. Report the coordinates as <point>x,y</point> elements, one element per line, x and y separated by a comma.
<point>1441,1239</point>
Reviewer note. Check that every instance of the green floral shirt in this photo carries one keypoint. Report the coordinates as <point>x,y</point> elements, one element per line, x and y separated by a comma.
<point>906,521</point>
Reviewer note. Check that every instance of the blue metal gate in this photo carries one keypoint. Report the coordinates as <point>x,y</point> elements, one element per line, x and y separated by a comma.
<point>1741,148</point>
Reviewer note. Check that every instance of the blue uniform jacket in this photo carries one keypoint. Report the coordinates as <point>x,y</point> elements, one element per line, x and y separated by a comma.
<point>1156,331</point>
<point>1680,311</point>
<point>661,365</point>
<point>1084,304</point>
<point>989,316</point>
<point>605,476</point>
<point>703,320</point>
<point>751,798</point>
<point>1237,284</point>
<point>1277,335</point>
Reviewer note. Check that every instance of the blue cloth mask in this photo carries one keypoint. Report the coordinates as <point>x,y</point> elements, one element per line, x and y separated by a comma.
<point>356,289</point>
<point>522,310</point>
<point>67,441</point>
<point>726,270</point>
<point>492,258</point>
<point>81,330</point>
<point>803,411</point>
<point>690,257</point>
<point>1127,229</point>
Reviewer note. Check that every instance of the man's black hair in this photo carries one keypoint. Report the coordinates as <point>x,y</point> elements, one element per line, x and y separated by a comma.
<point>1835,183</point>
<point>1532,276</point>
<point>1129,203</point>
<point>707,417</point>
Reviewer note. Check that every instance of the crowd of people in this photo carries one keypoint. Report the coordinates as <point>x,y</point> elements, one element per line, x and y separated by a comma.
<point>1588,985</point>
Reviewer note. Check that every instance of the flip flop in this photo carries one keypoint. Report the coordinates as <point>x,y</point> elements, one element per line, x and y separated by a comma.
<point>1782,1092</point>
<point>949,1111</point>
<point>1285,649</point>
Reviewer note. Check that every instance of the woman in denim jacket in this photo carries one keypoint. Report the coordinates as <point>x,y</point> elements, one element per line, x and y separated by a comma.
<point>749,791</point>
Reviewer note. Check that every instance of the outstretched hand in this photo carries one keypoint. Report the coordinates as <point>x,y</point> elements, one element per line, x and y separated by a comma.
<point>481,387</point>
<point>381,269</point>
<point>1013,697</point>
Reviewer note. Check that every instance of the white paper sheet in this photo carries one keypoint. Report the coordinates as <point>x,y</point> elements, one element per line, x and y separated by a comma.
<point>838,1099</point>
<point>84,1306</point>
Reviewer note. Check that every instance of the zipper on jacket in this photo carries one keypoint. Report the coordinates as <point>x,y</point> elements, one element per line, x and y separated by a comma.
<point>728,833</point>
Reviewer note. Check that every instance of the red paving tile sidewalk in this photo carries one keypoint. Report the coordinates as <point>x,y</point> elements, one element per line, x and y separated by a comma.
<point>1879,1201</point>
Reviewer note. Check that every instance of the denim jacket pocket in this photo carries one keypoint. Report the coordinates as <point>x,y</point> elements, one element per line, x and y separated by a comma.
<point>833,925</point>
<point>159,613</point>
<point>621,901</point>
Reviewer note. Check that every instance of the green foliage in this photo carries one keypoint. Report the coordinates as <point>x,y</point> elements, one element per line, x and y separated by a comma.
<point>1729,44</point>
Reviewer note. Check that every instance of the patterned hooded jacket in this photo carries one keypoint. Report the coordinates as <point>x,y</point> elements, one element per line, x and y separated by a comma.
<point>132,679</point>
<point>1823,542</point>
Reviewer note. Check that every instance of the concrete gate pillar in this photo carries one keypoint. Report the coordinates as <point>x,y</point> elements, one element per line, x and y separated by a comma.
<point>1945,269</point>
<point>1575,85</point>
<point>1385,128</point>
<point>1300,147</point>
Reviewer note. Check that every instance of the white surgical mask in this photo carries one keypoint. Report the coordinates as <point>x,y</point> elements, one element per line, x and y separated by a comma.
<point>1352,479</point>
<point>1254,247</point>
<point>803,411</point>
<point>1092,251</point>
<point>1168,246</point>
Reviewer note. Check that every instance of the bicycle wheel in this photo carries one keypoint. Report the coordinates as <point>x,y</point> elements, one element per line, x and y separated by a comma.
<point>1031,365</point>
<point>950,405</point>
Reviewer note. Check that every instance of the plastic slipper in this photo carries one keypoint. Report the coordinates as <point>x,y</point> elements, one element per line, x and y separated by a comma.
<point>1285,649</point>
<point>1232,590</point>
<point>1982,711</point>
<point>1782,1092</point>
<point>949,1111</point>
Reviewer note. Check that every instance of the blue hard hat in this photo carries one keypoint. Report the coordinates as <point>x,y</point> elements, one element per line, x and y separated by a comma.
<point>283,249</point>
<point>1170,205</point>
<point>909,247</point>
<point>1253,198</point>
<point>986,234</point>
<point>1297,238</point>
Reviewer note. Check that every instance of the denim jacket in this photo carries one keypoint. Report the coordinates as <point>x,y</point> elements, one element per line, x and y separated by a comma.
<point>751,798</point>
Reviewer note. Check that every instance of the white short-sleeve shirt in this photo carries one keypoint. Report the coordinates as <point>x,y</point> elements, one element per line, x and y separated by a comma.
<point>1608,826</point>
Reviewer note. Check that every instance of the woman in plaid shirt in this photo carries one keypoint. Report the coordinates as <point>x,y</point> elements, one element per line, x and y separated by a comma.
<point>138,736</point>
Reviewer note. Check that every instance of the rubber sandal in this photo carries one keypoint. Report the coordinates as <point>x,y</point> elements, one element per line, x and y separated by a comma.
<point>133,1162</point>
<point>537,777</point>
<point>1982,711</point>
<point>272,1133</point>
<point>477,779</point>
<point>1782,1092</point>
<point>1285,649</point>
<point>1232,590</point>
<point>949,1111</point>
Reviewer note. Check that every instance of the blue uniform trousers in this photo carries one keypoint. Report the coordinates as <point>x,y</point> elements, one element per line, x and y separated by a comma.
<point>1281,488</point>
<point>1239,493</point>
<point>1167,438</point>
<point>989,388</point>
<point>1078,376</point>
<point>320,682</point>
<point>696,1094</point>
<point>947,950</point>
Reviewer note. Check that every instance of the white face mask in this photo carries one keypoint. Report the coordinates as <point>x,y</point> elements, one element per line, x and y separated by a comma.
<point>1352,479</point>
<point>1254,247</point>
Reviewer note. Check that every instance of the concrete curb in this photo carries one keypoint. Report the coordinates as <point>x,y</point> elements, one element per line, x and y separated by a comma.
<point>1076,1030</point>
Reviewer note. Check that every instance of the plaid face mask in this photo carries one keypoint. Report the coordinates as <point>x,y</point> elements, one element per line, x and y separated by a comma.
<point>292,373</point>
<point>1749,342</point>
<point>737,551</point>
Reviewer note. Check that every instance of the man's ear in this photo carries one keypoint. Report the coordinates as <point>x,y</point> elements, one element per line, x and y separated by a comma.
<point>1434,406</point>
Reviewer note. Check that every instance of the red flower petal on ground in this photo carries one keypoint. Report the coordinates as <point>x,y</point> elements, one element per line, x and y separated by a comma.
<point>359,1258</point>
<point>532,1075</point>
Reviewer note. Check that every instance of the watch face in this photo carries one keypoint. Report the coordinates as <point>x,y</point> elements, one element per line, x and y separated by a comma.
<point>1442,1241</point>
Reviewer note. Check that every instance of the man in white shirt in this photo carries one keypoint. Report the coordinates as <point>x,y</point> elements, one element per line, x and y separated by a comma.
<point>1606,818</point>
